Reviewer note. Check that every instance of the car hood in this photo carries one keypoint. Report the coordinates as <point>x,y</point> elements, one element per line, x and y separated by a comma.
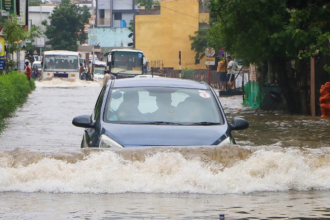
<point>165,135</point>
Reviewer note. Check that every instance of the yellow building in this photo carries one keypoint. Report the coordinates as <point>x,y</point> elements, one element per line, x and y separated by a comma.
<point>162,32</point>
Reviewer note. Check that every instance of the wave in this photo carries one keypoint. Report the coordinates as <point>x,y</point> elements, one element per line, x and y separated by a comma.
<point>206,170</point>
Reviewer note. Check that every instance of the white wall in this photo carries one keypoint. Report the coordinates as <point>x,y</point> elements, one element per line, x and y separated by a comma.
<point>122,4</point>
<point>37,18</point>
<point>125,16</point>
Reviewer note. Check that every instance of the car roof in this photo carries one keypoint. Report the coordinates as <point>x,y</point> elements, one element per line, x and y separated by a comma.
<point>159,82</point>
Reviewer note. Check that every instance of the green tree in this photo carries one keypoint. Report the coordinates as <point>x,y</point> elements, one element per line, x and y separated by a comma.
<point>14,34</point>
<point>131,26</point>
<point>201,40</point>
<point>273,34</point>
<point>199,43</point>
<point>67,26</point>
<point>35,2</point>
<point>147,3</point>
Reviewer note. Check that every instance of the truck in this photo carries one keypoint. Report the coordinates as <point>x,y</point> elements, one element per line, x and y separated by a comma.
<point>125,63</point>
<point>98,70</point>
<point>60,64</point>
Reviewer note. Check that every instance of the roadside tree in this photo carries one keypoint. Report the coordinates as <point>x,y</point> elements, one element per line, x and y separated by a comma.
<point>67,26</point>
<point>279,36</point>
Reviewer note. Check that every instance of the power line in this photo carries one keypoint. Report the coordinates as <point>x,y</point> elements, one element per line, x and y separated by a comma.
<point>124,2</point>
<point>178,22</point>
<point>179,12</point>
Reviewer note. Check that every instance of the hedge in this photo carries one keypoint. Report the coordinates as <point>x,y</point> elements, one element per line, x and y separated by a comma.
<point>14,90</point>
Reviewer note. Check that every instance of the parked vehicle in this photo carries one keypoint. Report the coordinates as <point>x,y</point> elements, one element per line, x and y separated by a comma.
<point>163,112</point>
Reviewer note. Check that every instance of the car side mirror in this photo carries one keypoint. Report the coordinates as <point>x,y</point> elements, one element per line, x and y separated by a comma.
<point>144,61</point>
<point>239,124</point>
<point>83,121</point>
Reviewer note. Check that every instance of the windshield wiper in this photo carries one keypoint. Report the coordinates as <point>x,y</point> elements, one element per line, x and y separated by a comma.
<point>205,123</point>
<point>160,123</point>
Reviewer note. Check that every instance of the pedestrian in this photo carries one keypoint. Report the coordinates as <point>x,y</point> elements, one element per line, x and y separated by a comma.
<point>222,73</point>
<point>107,77</point>
<point>28,71</point>
<point>230,74</point>
<point>81,70</point>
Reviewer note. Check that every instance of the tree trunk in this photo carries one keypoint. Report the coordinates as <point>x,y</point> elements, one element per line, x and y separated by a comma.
<point>287,84</point>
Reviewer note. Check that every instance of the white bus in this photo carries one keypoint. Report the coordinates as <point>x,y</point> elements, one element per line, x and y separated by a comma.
<point>125,62</point>
<point>61,64</point>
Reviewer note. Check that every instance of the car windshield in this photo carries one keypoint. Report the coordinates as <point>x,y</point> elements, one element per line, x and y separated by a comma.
<point>61,63</point>
<point>127,61</point>
<point>37,65</point>
<point>159,105</point>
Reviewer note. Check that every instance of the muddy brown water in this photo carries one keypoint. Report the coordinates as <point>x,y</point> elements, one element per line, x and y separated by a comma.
<point>279,168</point>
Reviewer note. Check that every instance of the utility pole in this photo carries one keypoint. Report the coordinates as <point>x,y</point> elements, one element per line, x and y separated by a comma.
<point>180,62</point>
<point>93,59</point>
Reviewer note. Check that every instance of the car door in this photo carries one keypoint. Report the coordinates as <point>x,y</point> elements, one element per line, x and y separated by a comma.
<point>92,134</point>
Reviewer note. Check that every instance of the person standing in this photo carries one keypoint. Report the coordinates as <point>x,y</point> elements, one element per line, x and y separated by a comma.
<point>231,75</point>
<point>81,70</point>
<point>222,73</point>
<point>28,70</point>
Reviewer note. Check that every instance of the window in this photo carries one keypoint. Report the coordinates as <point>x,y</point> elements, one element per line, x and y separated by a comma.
<point>101,13</point>
<point>98,105</point>
<point>118,16</point>
<point>173,105</point>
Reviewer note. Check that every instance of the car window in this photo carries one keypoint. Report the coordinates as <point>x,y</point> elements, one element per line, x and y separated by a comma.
<point>175,105</point>
<point>98,105</point>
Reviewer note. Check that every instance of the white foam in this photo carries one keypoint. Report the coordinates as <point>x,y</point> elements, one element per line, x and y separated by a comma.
<point>171,172</point>
<point>57,82</point>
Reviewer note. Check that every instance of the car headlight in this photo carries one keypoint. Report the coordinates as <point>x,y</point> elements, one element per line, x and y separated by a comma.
<point>107,142</point>
<point>227,141</point>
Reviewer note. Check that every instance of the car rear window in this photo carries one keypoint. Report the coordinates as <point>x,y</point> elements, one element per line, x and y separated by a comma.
<point>157,104</point>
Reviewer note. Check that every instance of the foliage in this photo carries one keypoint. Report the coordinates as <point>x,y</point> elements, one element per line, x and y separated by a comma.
<point>147,3</point>
<point>14,89</point>
<point>67,26</point>
<point>201,41</point>
<point>274,32</point>
<point>35,2</point>
<point>261,30</point>
<point>14,33</point>
<point>186,72</point>
<point>131,26</point>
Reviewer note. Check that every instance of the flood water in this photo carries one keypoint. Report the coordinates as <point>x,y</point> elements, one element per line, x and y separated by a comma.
<point>279,169</point>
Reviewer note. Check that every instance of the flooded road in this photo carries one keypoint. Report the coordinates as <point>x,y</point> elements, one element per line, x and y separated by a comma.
<point>279,168</point>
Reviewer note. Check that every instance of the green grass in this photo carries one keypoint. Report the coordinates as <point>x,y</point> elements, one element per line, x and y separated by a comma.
<point>14,91</point>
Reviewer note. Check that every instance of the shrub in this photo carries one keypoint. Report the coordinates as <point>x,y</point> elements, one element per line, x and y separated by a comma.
<point>187,73</point>
<point>14,89</point>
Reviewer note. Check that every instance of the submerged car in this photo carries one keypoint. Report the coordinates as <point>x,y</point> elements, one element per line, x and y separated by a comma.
<point>157,112</point>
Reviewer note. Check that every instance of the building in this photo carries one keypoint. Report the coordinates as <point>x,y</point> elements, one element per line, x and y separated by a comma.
<point>115,13</point>
<point>37,14</point>
<point>164,31</point>
<point>113,18</point>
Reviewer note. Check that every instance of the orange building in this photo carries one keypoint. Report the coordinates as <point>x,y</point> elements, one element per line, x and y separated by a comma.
<point>164,31</point>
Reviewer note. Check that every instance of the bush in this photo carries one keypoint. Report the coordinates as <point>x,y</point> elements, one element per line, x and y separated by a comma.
<point>14,89</point>
<point>187,73</point>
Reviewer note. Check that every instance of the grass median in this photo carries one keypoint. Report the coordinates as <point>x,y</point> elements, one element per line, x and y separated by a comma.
<point>14,91</point>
